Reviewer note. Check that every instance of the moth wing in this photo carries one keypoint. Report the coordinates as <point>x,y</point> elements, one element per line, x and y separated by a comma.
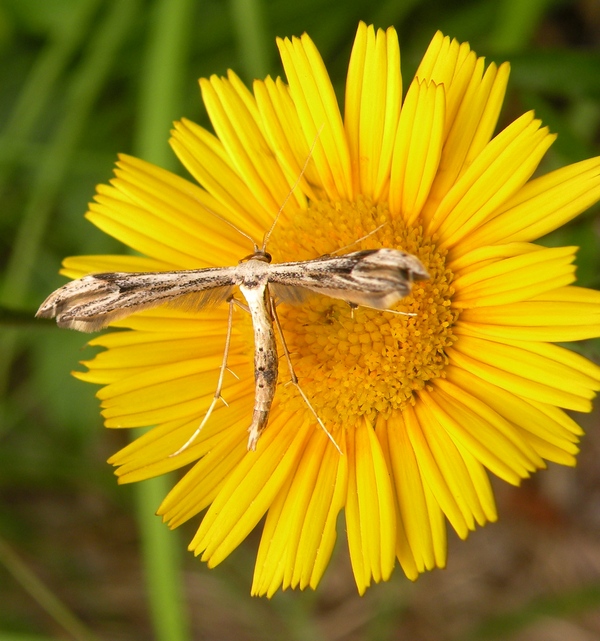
<point>292,294</point>
<point>296,295</point>
<point>196,301</point>
<point>373,278</point>
<point>92,302</point>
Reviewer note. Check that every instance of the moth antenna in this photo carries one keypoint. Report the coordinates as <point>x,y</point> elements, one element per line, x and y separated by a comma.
<point>358,240</point>
<point>228,222</point>
<point>304,166</point>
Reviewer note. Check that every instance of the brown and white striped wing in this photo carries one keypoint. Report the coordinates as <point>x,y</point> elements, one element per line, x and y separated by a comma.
<point>374,278</point>
<point>92,302</point>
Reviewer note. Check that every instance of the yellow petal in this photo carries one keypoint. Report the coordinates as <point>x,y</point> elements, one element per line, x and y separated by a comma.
<point>232,198</point>
<point>215,459</point>
<point>542,205</point>
<point>320,118</point>
<point>372,107</point>
<point>486,434</point>
<point>250,489</point>
<point>531,419</point>
<point>516,279</point>
<point>502,168</point>
<point>294,552</point>
<point>473,103</point>
<point>403,552</point>
<point>370,518</point>
<point>422,517</point>
<point>282,129</point>
<point>236,119</point>
<point>420,426</point>
<point>520,371</point>
<point>417,150</point>
<point>448,476</point>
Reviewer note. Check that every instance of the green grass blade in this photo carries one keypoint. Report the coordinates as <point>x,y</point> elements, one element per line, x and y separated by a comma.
<point>160,102</point>
<point>39,87</point>
<point>254,46</point>
<point>43,596</point>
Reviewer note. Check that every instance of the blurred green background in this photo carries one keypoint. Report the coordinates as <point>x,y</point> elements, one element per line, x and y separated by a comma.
<point>82,558</point>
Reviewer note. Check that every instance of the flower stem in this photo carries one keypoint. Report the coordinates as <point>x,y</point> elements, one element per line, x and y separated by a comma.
<point>162,78</point>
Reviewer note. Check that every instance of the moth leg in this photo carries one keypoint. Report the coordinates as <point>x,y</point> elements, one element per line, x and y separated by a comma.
<point>241,305</point>
<point>294,378</point>
<point>358,240</point>
<point>217,395</point>
<point>354,306</point>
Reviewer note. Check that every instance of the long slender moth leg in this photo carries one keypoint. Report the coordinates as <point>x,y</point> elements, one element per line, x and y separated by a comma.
<point>217,395</point>
<point>294,378</point>
<point>354,306</point>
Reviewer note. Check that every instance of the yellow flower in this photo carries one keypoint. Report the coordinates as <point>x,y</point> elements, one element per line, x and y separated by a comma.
<point>422,406</point>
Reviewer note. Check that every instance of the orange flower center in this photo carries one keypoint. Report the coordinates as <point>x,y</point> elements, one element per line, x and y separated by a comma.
<point>361,362</point>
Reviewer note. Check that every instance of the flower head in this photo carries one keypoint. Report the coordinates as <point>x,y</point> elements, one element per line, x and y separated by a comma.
<point>422,405</point>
